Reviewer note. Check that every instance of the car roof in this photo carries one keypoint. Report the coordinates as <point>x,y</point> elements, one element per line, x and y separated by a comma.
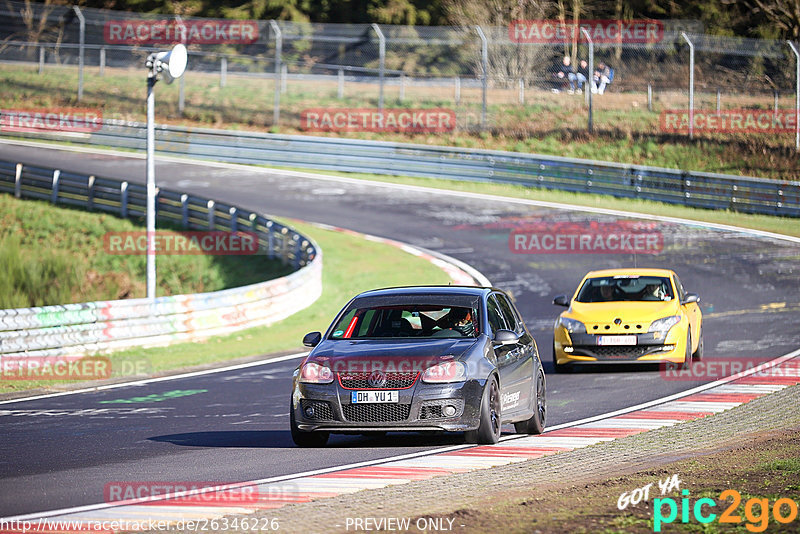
<point>471,291</point>
<point>629,272</point>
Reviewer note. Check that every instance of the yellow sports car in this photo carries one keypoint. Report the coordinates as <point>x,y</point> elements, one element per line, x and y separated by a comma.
<point>628,315</point>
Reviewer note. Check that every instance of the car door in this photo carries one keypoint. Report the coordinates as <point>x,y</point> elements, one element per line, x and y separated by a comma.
<point>519,361</point>
<point>691,310</point>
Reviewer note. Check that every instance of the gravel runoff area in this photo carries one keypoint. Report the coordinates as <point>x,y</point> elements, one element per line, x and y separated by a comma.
<point>463,497</point>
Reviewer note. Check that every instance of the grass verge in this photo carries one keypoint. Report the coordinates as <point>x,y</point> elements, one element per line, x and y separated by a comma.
<point>51,255</point>
<point>351,265</point>
<point>765,469</point>
<point>625,131</point>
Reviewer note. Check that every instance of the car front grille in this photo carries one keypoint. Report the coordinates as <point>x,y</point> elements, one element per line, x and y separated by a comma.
<point>618,352</point>
<point>376,413</point>
<point>322,410</point>
<point>394,380</point>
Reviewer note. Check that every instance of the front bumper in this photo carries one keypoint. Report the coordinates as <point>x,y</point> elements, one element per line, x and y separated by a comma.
<point>419,408</point>
<point>584,348</point>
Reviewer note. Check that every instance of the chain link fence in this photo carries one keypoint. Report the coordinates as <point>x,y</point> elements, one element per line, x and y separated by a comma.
<point>264,74</point>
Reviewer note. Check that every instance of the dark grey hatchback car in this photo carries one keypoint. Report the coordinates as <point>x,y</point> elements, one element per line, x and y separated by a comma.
<point>432,358</point>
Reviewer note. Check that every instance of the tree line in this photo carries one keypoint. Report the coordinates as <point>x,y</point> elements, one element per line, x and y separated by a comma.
<point>768,19</point>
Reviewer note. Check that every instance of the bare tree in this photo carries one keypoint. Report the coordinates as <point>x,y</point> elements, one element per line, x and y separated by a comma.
<point>785,14</point>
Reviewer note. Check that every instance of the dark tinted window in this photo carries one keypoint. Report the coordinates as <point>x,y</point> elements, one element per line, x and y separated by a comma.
<point>406,321</point>
<point>494,316</point>
<point>625,288</point>
<point>508,312</point>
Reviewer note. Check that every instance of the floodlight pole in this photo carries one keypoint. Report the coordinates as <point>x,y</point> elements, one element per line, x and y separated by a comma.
<point>151,184</point>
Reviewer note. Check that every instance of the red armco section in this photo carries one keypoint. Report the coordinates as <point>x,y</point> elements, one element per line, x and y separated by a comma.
<point>723,395</point>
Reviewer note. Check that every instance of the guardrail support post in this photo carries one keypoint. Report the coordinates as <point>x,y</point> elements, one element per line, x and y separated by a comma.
<point>522,91</point>
<point>270,240</point>
<point>54,193</point>
<point>41,59</point>
<point>650,97</point>
<point>276,111</point>
<point>796,96</point>
<point>223,71</point>
<point>381,63</point>
<point>123,200</point>
<point>719,101</point>
<point>340,89</point>
<point>81,42</point>
<point>234,223</point>
<point>298,251</point>
<point>485,74</point>
<point>18,181</point>
<point>90,194</point>
<point>284,77</point>
<point>185,210</point>
<point>402,87</point>
<point>776,97</point>
<point>103,61</point>
<point>457,84</point>
<point>691,84</point>
<point>211,207</point>
<point>590,93</point>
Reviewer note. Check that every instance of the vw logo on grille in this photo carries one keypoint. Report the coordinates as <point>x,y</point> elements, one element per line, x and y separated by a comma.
<point>377,379</point>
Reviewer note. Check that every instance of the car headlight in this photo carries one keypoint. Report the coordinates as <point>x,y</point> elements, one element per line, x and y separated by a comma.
<point>314,373</point>
<point>664,324</point>
<point>572,326</point>
<point>445,372</point>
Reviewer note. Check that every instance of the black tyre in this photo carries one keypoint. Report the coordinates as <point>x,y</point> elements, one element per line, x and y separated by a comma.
<point>489,430</point>
<point>535,425</point>
<point>698,354</point>
<point>306,439</point>
<point>687,362</point>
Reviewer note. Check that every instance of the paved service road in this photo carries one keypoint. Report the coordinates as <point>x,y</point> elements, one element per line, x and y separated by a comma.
<point>233,425</point>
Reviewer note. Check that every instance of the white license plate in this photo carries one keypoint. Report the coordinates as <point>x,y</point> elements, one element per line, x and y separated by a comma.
<point>616,340</point>
<point>364,397</point>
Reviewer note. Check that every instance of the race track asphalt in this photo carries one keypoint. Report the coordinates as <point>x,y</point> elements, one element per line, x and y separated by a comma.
<point>233,426</point>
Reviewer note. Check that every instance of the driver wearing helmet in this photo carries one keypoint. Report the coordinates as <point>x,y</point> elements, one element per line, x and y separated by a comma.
<point>460,320</point>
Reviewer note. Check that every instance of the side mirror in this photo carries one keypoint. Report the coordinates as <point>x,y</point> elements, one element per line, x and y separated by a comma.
<point>690,297</point>
<point>505,337</point>
<point>561,300</point>
<point>312,339</point>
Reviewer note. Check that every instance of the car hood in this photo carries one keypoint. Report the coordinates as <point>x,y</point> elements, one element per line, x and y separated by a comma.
<point>388,353</point>
<point>629,313</point>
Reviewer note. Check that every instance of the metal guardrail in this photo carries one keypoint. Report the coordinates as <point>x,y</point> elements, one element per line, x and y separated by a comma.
<point>87,328</point>
<point>695,189</point>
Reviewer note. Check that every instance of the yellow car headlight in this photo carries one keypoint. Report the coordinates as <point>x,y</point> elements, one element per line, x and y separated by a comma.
<point>572,326</point>
<point>663,325</point>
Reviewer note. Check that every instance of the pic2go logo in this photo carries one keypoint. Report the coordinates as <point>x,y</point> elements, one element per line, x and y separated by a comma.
<point>756,511</point>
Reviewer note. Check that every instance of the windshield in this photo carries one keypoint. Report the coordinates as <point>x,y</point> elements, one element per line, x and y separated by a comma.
<point>407,321</point>
<point>625,288</point>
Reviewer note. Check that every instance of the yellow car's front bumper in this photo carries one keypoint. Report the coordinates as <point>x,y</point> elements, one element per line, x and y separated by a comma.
<point>584,348</point>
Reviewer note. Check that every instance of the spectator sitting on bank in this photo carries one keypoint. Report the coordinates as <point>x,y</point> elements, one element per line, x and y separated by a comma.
<point>603,76</point>
<point>581,76</point>
<point>564,71</point>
